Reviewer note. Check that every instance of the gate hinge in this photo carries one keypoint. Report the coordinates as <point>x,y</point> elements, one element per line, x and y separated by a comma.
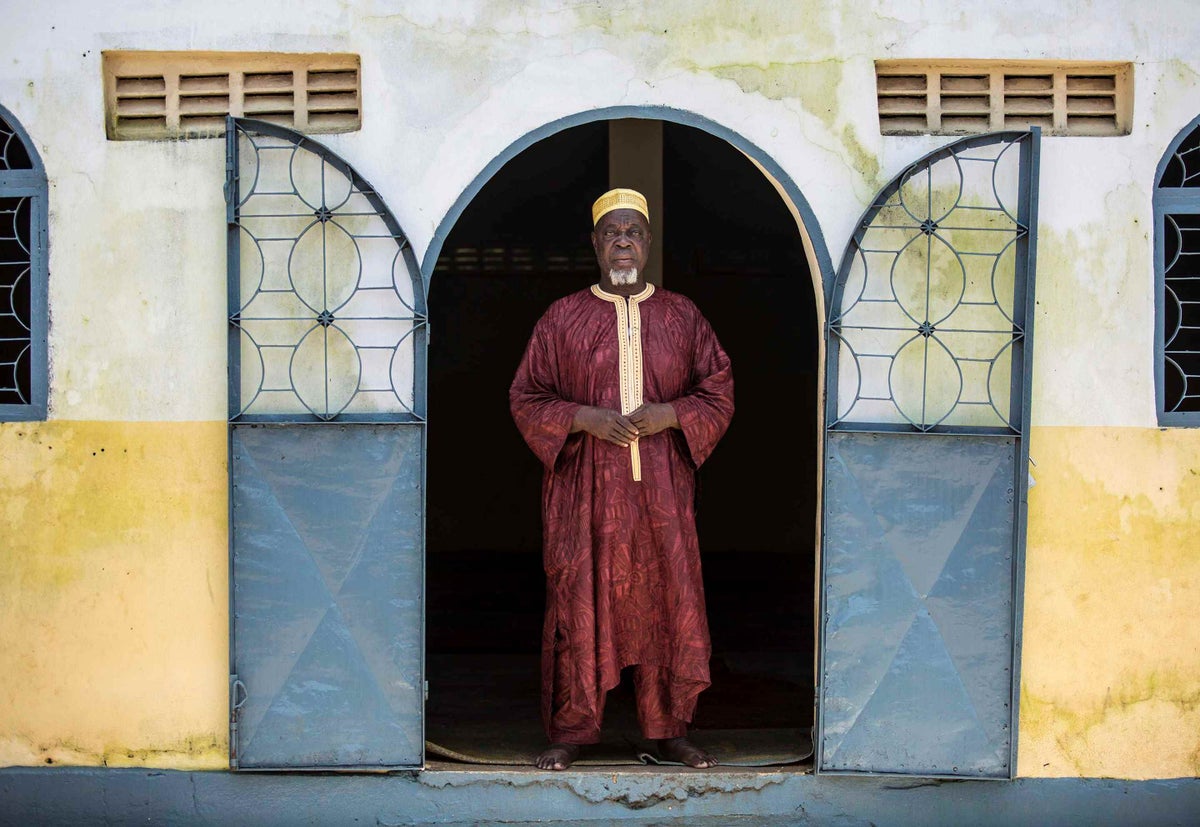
<point>237,698</point>
<point>231,166</point>
<point>230,143</point>
<point>426,690</point>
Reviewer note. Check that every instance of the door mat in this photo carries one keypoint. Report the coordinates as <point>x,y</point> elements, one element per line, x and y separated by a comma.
<point>731,747</point>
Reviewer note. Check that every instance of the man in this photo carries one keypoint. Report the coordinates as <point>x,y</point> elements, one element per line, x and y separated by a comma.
<point>622,393</point>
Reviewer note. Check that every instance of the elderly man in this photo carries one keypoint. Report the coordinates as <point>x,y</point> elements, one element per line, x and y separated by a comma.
<point>623,391</point>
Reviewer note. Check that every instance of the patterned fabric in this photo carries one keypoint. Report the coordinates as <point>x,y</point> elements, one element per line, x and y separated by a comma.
<point>570,724</point>
<point>622,561</point>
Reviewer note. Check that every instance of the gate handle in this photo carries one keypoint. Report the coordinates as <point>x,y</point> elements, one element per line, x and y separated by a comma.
<point>239,687</point>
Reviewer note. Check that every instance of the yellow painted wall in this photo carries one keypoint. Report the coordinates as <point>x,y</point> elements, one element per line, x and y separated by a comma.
<point>1110,675</point>
<point>113,599</point>
<point>114,594</point>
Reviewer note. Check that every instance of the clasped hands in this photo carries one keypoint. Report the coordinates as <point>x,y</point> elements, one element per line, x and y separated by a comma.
<point>622,429</point>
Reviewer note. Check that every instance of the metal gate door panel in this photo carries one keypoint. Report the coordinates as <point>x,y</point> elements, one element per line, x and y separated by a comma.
<point>326,405</point>
<point>328,627</point>
<point>918,578</point>
<point>927,410</point>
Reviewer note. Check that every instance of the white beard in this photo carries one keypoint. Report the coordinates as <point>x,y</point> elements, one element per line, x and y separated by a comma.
<point>622,277</point>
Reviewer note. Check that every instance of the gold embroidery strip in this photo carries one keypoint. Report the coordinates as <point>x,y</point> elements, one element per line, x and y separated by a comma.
<point>634,341</point>
<point>629,349</point>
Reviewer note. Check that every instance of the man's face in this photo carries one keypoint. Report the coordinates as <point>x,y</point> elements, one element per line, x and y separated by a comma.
<point>622,242</point>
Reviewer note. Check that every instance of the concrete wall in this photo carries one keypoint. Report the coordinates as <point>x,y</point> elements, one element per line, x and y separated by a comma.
<point>113,603</point>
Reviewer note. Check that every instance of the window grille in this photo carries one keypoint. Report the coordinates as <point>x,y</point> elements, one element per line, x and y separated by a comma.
<point>23,275</point>
<point>1177,277</point>
<point>917,97</point>
<point>155,95</point>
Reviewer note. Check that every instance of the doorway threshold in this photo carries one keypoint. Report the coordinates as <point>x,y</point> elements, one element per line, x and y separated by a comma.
<point>734,748</point>
<point>612,770</point>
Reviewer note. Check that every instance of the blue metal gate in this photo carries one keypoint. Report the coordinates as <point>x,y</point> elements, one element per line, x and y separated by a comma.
<point>327,350</point>
<point>929,353</point>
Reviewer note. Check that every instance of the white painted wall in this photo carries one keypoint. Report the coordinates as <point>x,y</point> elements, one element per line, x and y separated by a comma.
<point>137,229</point>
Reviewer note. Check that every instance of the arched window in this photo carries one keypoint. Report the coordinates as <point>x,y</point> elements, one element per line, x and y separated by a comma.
<point>23,314</point>
<point>1177,280</point>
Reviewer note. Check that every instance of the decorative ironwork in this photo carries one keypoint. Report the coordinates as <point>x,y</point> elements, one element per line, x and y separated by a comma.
<point>13,154</point>
<point>325,295</point>
<point>16,323</point>
<point>1177,277</point>
<point>1183,163</point>
<point>1181,313</point>
<point>23,275</point>
<point>928,311</point>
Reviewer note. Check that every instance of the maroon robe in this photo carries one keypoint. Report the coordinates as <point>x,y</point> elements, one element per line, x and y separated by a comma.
<point>623,581</point>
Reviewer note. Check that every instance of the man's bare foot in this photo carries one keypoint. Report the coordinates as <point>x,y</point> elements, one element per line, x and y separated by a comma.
<point>685,752</point>
<point>557,756</point>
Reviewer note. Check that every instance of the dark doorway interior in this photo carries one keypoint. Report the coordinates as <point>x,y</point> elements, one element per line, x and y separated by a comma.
<point>731,245</point>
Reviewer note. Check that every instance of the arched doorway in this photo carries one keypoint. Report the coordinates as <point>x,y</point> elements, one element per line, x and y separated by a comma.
<point>731,244</point>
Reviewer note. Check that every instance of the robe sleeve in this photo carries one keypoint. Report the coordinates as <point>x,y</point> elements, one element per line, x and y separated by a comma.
<point>704,412</point>
<point>542,415</point>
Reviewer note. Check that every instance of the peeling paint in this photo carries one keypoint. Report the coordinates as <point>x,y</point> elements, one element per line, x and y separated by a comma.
<point>632,789</point>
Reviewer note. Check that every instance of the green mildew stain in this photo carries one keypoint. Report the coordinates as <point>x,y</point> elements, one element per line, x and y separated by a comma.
<point>1183,71</point>
<point>188,752</point>
<point>814,87</point>
<point>786,52</point>
<point>1177,83</point>
<point>1075,727</point>
<point>1091,281</point>
<point>813,84</point>
<point>1110,685</point>
<point>1090,307</point>
<point>862,158</point>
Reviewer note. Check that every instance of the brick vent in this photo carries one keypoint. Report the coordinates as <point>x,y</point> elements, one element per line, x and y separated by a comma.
<point>156,95</point>
<point>921,97</point>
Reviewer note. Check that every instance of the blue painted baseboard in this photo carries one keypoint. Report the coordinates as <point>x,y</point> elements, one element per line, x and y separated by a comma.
<point>51,796</point>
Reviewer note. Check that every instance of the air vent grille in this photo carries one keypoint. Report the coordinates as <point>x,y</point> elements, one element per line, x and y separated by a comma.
<point>156,95</point>
<point>968,97</point>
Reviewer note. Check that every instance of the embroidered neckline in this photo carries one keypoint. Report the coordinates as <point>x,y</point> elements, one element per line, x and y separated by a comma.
<point>645,293</point>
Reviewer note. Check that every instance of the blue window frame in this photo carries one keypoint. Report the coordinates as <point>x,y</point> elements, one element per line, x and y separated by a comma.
<point>1177,280</point>
<point>23,275</point>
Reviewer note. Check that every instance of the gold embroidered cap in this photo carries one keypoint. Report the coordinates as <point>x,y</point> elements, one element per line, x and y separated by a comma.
<point>619,199</point>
